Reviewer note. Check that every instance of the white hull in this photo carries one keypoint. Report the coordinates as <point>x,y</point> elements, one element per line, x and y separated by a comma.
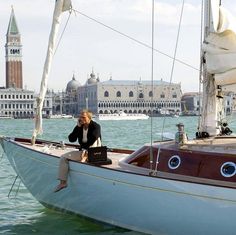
<point>5,117</point>
<point>61,116</point>
<point>118,117</point>
<point>138,202</point>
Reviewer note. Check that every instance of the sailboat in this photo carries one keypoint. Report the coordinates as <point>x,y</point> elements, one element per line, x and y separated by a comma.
<point>177,186</point>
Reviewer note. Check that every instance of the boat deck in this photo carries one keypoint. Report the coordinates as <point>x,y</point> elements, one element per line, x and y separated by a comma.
<point>59,151</point>
<point>226,144</point>
<point>216,144</point>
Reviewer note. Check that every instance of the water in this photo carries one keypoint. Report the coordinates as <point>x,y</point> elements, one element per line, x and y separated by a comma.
<point>21,214</point>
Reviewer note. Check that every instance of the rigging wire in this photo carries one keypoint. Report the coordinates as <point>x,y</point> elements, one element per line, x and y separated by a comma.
<point>171,77</point>
<point>63,31</point>
<point>152,85</point>
<point>134,39</point>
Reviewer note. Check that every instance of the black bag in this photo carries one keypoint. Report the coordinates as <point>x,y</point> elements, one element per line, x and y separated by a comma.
<point>97,155</point>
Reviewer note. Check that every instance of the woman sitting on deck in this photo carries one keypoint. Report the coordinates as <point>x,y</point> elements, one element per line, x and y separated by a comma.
<point>88,134</point>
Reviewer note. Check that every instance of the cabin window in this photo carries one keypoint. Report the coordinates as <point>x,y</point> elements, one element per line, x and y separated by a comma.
<point>228,169</point>
<point>174,162</point>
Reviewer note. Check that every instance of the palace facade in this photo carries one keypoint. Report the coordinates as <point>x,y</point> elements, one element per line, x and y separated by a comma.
<point>129,96</point>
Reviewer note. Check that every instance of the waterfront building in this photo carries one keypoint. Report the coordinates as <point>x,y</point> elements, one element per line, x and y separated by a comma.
<point>16,103</point>
<point>191,103</point>
<point>20,103</point>
<point>13,50</point>
<point>66,102</point>
<point>112,96</point>
<point>229,102</point>
<point>47,104</point>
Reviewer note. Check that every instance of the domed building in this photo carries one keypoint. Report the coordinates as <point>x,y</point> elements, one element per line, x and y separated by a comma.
<point>92,79</point>
<point>65,102</point>
<point>129,96</point>
<point>72,86</point>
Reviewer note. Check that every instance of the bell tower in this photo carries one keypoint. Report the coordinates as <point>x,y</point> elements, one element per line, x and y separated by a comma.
<point>13,54</point>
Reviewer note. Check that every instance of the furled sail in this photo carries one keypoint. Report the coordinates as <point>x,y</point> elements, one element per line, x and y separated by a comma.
<point>60,6</point>
<point>219,52</point>
<point>220,46</point>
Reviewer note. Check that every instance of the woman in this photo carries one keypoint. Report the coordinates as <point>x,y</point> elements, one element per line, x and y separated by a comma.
<point>88,134</point>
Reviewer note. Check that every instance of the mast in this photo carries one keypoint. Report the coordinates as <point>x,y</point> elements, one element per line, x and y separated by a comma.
<point>211,115</point>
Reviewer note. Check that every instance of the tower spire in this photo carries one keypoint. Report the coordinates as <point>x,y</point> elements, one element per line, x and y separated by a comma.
<point>13,54</point>
<point>12,26</point>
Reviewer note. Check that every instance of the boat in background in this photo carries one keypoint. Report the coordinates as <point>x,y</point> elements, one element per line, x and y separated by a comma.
<point>179,186</point>
<point>61,116</point>
<point>122,116</point>
<point>4,116</point>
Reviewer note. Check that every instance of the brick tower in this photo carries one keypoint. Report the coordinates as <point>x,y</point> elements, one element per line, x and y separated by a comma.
<point>13,54</point>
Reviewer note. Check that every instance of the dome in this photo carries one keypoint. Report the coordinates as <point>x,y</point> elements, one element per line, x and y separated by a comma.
<point>92,79</point>
<point>72,85</point>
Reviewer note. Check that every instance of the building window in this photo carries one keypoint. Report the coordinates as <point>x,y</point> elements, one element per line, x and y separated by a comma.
<point>162,95</point>
<point>118,94</point>
<point>150,94</point>
<point>106,94</point>
<point>131,94</point>
<point>141,96</point>
<point>174,95</point>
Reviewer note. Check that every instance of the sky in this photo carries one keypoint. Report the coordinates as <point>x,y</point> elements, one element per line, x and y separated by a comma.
<point>87,45</point>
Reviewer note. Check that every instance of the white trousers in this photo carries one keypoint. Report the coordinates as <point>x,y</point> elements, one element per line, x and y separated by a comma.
<point>73,155</point>
<point>64,163</point>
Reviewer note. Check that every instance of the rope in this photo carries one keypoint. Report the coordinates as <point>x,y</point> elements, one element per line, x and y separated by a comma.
<point>135,40</point>
<point>13,184</point>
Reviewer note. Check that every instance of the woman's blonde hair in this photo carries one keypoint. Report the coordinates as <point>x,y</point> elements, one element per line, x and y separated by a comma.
<point>88,113</point>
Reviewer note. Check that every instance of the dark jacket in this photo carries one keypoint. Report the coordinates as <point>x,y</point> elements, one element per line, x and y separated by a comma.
<point>94,132</point>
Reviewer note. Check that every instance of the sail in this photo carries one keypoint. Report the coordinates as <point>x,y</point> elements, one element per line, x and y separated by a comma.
<point>60,6</point>
<point>215,46</point>
<point>220,46</point>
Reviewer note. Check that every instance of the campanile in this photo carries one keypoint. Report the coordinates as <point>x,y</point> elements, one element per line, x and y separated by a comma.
<point>13,54</point>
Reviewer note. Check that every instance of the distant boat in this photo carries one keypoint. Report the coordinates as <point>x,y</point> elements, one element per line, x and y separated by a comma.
<point>122,116</point>
<point>61,116</point>
<point>4,116</point>
<point>175,115</point>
